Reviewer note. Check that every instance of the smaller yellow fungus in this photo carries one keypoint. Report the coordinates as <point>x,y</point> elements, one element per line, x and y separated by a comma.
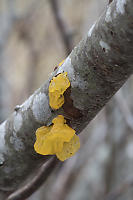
<point>61,63</point>
<point>58,139</point>
<point>57,87</point>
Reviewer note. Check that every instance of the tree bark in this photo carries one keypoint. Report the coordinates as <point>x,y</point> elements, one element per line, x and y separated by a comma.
<point>96,68</point>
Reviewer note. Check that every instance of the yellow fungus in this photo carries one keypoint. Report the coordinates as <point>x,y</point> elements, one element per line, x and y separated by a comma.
<point>58,139</point>
<point>57,87</point>
<point>61,63</point>
<point>69,148</point>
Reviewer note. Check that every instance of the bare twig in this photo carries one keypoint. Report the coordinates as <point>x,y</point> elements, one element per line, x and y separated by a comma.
<point>110,1</point>
<point>120,190</point>
<point>44,172</point>
<point>23,29</point>
<point>62,26</point>
<point>124,109</point>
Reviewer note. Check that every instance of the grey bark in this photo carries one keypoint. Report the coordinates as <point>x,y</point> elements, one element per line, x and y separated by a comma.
<point>97,68</point>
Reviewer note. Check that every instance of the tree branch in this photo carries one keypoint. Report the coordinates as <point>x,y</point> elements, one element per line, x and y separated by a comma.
<point>119,191</point>
<point>96,68</point>
<point>62,26</point>
<point>44,172</point>
<point>125,110</point>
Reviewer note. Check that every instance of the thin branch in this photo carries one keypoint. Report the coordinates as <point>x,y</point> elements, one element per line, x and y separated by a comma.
<point>110,1</point>
<point>124,109</point>
<point>61,25</point>
<point>44,172</point>
<point>120,190</point>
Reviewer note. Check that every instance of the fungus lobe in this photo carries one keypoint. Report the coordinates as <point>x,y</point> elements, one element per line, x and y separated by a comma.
<point>57,87</point>
<point>58,139</point>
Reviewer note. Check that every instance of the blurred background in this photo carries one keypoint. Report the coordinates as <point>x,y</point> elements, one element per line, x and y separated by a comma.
<point>36,35</point>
